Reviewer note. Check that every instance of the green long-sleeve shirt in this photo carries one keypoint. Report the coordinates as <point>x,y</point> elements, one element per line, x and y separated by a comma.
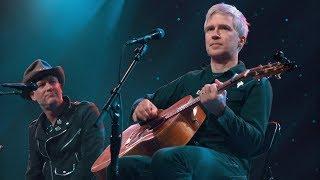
<point>240,129</point>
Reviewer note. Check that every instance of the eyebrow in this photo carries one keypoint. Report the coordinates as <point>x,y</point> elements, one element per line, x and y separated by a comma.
<point>48,78</point>
<point>219,25</point>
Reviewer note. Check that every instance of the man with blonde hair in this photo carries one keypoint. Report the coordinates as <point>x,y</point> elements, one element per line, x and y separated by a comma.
<point>235,121</point>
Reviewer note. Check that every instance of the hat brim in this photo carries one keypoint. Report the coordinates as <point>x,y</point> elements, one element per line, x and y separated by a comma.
<point>36,76</point>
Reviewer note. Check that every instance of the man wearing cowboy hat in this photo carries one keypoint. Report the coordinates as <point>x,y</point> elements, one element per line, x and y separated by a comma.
<point>67,137</point>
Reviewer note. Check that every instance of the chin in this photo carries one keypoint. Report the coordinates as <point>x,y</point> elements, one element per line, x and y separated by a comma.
<point>218,55</point>
<point>53,100</point>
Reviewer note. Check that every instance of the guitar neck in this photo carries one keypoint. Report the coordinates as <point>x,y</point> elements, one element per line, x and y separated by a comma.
<point>235,79</point>
<point>227,84</point>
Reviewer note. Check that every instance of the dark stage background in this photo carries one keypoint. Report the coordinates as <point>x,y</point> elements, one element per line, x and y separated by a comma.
<point>86,37</point>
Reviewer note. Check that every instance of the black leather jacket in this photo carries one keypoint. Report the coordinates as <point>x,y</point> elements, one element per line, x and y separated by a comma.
<point>69,148</point>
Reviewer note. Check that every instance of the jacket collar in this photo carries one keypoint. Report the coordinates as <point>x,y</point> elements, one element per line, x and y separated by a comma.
<point>62,123</point>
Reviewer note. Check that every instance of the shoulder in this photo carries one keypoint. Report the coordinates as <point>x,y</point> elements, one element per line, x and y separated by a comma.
<point>193,75</point>
<point>252,82</point>
<point>83,103</point>
<point>84,107</point>
<point>261,87</point>
<point>88,113</point>
<point>32,126</point>
<point>263,82</point>
<point>33,123</point>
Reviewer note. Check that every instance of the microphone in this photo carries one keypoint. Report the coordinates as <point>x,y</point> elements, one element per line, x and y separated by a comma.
<point>157,33</point>
<point>25,87</point>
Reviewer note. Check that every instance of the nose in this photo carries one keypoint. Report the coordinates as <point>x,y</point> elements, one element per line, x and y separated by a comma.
<point>48,86</point>
<point>216,34</point>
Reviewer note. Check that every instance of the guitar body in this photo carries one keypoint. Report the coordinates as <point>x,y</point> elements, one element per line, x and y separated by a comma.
<point>174,129</point>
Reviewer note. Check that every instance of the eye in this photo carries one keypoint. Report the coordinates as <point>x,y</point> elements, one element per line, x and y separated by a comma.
<point>53,81</point>
<point>225,27</point>
<point>40,84</point>
<point>209,28</point>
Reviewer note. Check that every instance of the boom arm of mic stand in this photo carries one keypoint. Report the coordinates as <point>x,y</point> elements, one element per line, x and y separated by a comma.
<point>10,93</point>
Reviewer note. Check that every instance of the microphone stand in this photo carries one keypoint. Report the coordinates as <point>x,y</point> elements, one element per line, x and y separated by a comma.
<point>22,93</point>
<point>10,93</point>
<point>114,109</point>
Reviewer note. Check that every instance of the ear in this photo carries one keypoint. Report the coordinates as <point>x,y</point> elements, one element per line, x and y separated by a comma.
<point>242,41</point>
<point>32,96</point>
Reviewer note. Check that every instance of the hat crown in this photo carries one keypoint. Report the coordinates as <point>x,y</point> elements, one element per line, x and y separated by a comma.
<point>36,66</point>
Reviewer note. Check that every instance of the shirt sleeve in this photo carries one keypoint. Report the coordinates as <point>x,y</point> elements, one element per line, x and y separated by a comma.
<point>165,96</point>
<point>246,131</point>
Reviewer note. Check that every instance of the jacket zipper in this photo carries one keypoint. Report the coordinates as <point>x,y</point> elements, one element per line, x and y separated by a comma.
<point>45,149</point>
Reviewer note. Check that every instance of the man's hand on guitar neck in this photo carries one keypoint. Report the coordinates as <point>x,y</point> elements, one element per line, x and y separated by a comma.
<point>213,101</point>
<point>144,111</point>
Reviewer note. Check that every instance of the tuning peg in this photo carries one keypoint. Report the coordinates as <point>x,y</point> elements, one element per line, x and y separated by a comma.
<point>278,76</point>
<point>279,56</point>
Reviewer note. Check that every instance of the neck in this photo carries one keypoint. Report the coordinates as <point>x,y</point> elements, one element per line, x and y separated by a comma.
<point>220,66</point>
<point>53,111</point>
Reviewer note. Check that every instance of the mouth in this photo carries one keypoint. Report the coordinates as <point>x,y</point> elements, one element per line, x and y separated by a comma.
<point>52,94</point>
<point>215,44</point>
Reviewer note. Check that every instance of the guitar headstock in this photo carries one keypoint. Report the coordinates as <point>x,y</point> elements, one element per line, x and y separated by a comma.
<point>281,65</point>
